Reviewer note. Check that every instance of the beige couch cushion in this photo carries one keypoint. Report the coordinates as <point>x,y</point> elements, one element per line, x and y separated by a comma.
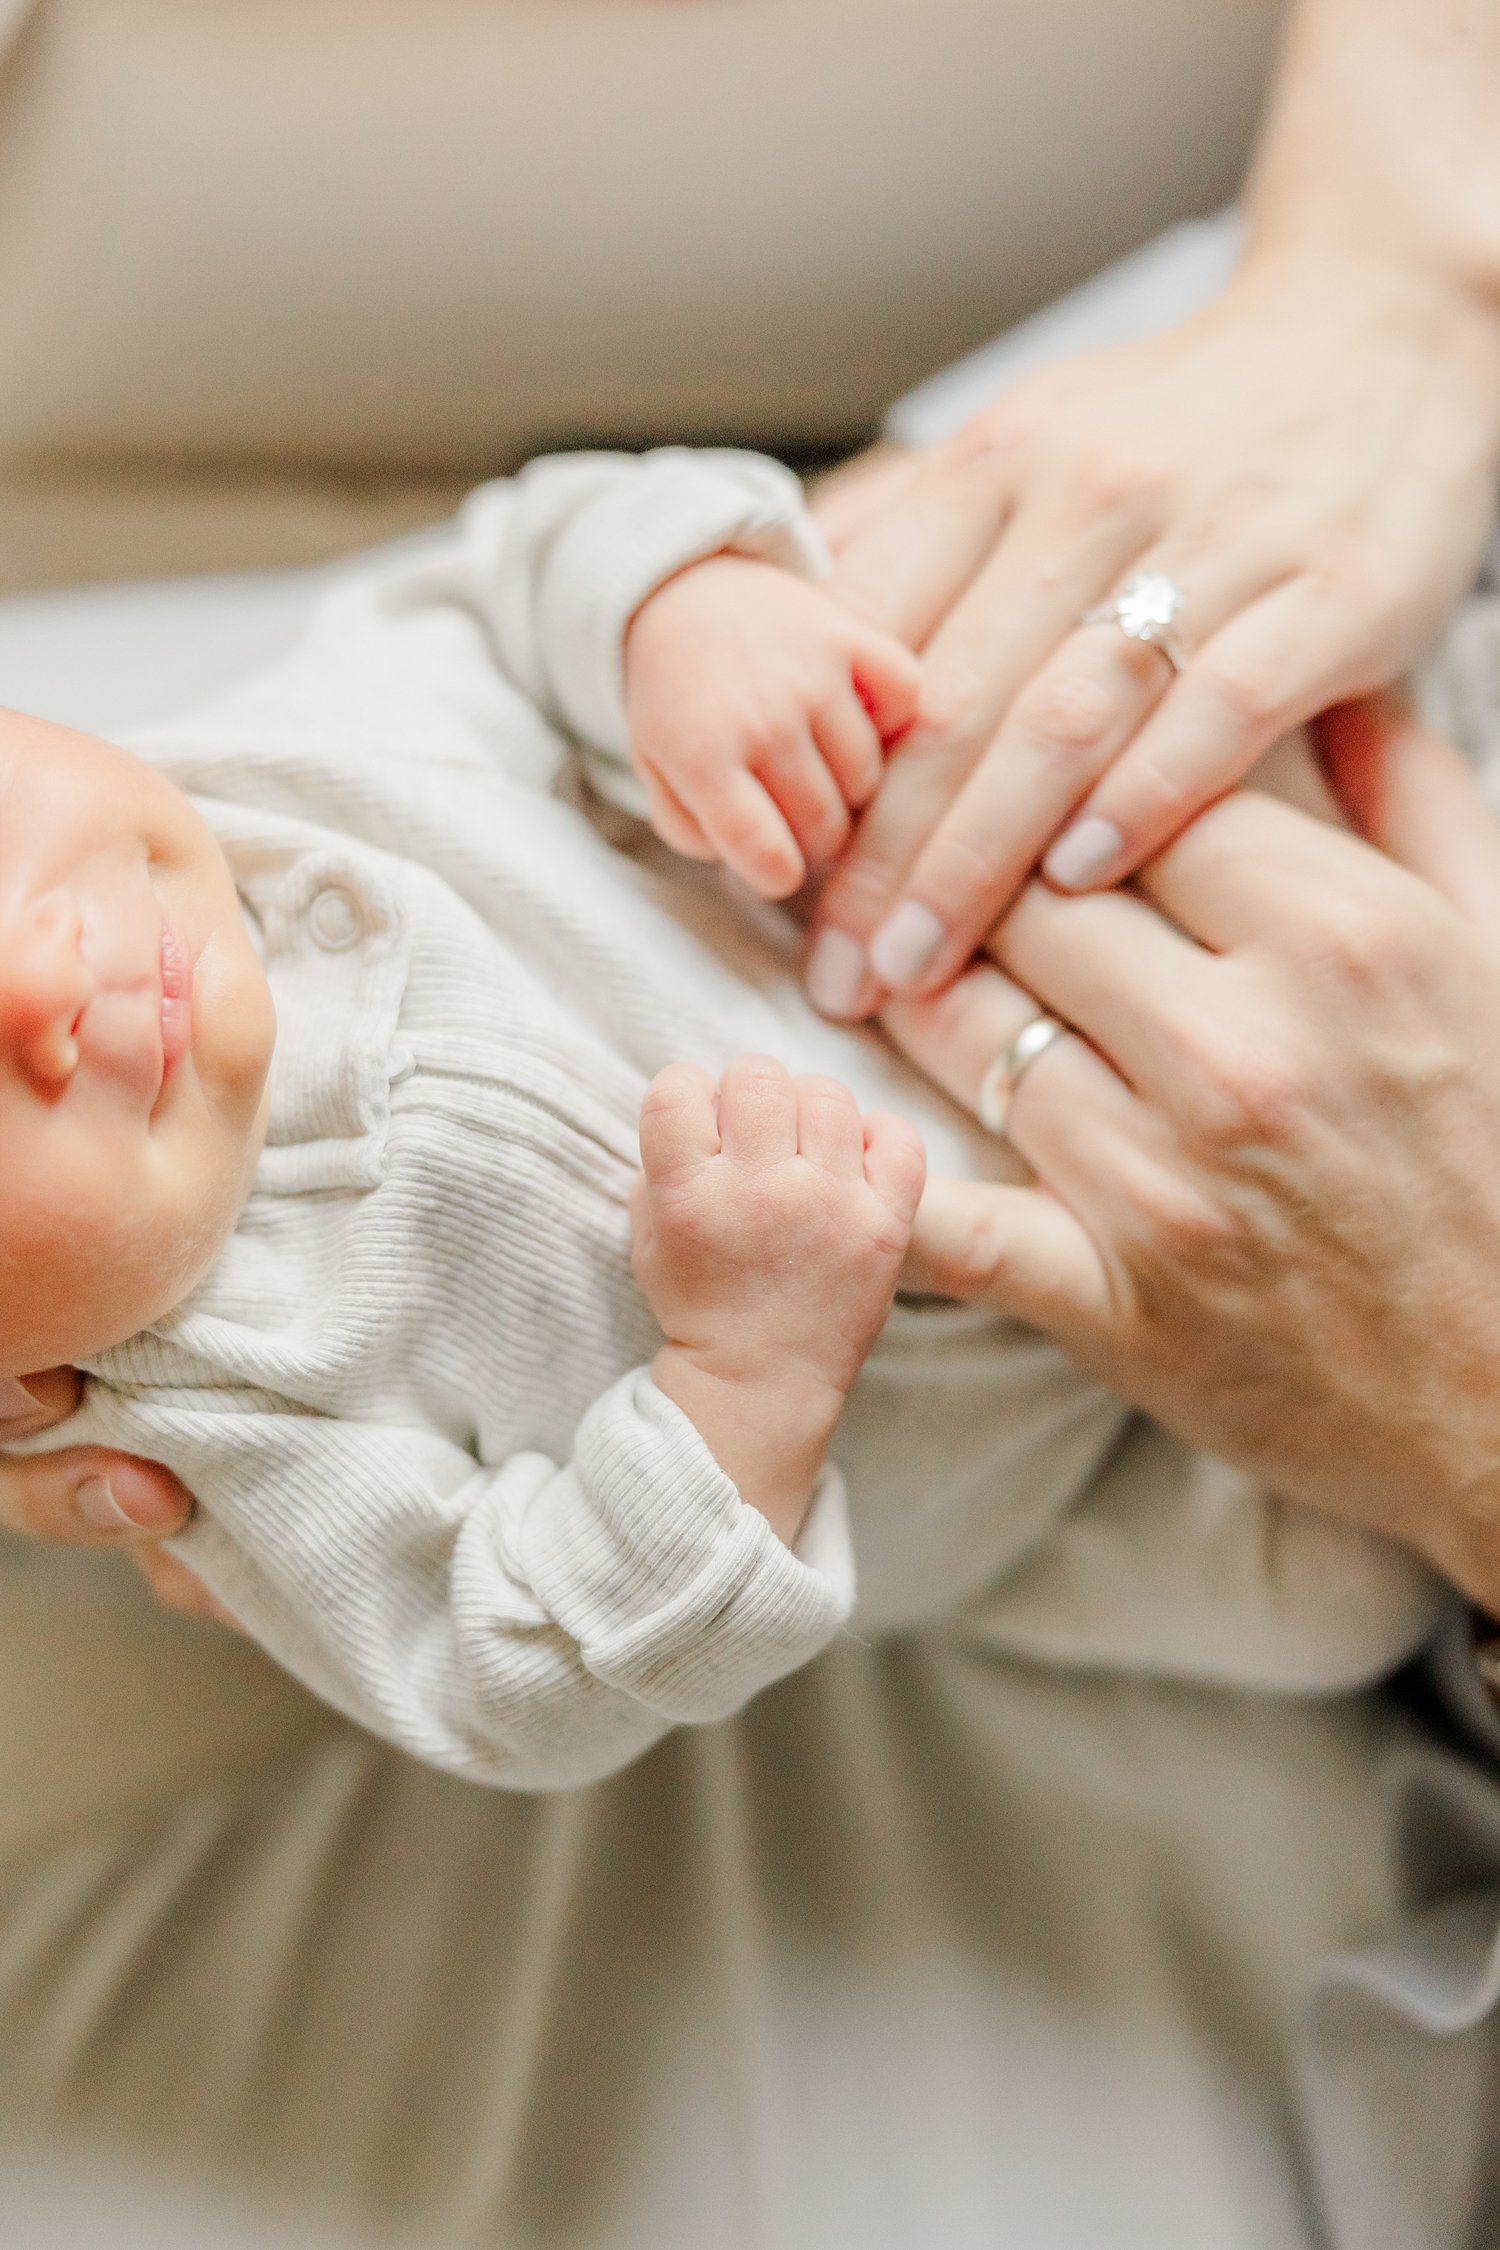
<point>438,234</point>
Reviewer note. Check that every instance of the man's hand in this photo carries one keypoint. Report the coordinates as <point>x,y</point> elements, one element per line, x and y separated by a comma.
<point>760,710</point>
<point>771,1221</point>
<point>1268,1200</point>
<point>83,1496</point>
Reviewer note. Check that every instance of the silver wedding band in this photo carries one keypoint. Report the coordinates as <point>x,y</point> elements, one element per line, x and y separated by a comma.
<point>998,1085</point>
<point>1145,609</point>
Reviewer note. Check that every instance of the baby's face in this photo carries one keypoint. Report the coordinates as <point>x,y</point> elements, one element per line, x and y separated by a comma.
<point>135,1038</point>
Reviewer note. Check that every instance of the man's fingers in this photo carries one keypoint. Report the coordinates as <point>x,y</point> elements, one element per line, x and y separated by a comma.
<point>1253,871</point>
<point>1409,792</point>
<point>86,1497</point>
<point>1119,972</point>
<point>176,1587</point>
<point>1015,1248</point>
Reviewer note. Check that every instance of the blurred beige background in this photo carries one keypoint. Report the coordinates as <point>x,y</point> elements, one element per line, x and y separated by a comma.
<point>278,276</point>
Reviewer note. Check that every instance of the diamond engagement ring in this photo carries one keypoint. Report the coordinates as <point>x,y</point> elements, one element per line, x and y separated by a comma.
<point>1145,609</point>
<point>998,1085</point>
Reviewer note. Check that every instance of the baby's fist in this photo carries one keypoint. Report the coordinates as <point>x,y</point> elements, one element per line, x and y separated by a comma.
<point>771,1223</point>
<point>760,709</point>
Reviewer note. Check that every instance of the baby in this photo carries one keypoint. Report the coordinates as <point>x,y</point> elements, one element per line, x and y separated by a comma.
<point>325,1129</point>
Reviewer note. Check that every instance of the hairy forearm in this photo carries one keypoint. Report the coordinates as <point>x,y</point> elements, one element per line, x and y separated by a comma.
<point>1383,139</point>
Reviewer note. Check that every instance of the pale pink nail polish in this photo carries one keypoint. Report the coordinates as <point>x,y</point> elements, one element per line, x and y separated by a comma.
<point>905,943</point>
<point>16,1402</point>
<point>1083,853</point>
<point>836,973</point>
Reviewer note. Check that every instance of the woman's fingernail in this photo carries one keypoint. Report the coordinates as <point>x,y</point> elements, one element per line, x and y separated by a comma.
<point>905,943</point>
<point>1083,853</point>
<point>836,973</point>
<point>16,1402</point>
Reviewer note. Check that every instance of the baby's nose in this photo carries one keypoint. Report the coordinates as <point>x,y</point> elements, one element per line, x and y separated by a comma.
<point>45,985</point>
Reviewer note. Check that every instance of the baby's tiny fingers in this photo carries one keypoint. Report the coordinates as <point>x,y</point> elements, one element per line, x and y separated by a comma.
<point>671,819</point>
<point>889,679</point>
<point>757,1111</point>
<point>895,1163</point>
<point>751,836</point>
<point>679,1130</point>
<point>851,747</point>
<point>830,1130</point>
<point>809,798</point>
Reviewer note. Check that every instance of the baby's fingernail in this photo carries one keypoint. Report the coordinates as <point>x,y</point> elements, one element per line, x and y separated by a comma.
<point>125,1503</point>
<point>16,1402</point>
<point>836,973</point>
<point>904,944</point>
<point>1083,853</point>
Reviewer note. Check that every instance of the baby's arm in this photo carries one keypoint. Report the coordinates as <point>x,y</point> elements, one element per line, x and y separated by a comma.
<point>771,1220</point>
<point>760,712</point>
<point>537,1620</point>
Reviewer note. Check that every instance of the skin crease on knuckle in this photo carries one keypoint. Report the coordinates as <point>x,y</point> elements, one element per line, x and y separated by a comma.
<point>1066,718</point>
<point>1114,477</point>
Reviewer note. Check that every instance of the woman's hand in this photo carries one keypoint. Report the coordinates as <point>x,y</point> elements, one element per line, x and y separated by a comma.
<point>84,1497</point>
<point>1269,1199</point>
<point>1312,460</point>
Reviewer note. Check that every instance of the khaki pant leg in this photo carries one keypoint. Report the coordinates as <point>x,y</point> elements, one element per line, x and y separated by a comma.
<point>925,1949</point>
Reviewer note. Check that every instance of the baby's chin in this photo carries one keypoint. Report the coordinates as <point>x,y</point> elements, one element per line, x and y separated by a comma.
<point>85,1302</point>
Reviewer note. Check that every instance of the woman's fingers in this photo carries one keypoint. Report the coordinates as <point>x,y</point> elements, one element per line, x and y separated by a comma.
<point>1276,661</point>
<point>1072,727</point>
<point>851,498</point>
<point>1061,731</point>
<point>909,537</point>
<point>85,1497</point>
<point>1028,597</point>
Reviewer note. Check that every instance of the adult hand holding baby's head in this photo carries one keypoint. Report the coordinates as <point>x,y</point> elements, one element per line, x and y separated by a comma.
<point>85,1497</point>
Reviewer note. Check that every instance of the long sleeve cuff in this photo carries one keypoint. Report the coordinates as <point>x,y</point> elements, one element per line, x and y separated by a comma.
<point>590,536</point>
<point>676,1593</point>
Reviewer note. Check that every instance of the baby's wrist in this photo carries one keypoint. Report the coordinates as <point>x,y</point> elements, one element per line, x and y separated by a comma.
<point>767,1424</point>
